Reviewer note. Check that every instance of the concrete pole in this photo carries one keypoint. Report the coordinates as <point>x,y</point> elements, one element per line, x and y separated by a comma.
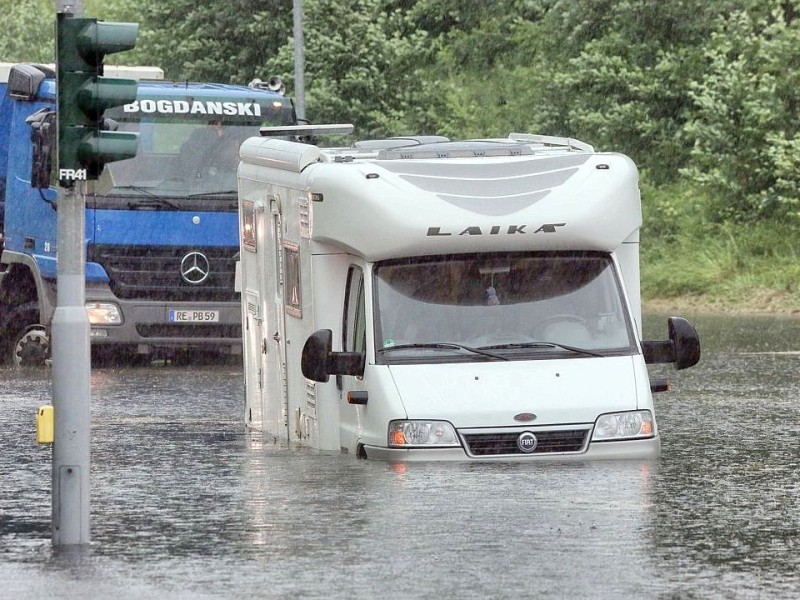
<point>71,367</point>
<point>299,62</point>
<point>71,378</point>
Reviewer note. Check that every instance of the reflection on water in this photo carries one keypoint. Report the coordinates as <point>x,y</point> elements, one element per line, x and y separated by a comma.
<point>186,505</point>
<point>726,499</point>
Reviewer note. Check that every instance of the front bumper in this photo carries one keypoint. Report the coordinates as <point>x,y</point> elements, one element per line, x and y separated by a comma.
<point>644,449</point>
<point>147,325</point>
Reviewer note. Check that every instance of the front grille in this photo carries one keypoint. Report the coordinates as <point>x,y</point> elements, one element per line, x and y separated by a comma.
<point>185,330</point>
<point>154,273</point>
<point>489,444</point>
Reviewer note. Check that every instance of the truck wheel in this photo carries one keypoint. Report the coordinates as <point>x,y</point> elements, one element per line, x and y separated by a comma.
<point>32,348</point>
<point>23,342</point>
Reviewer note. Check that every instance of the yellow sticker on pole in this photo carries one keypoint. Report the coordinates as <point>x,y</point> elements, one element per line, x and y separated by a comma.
<point>45,425</point>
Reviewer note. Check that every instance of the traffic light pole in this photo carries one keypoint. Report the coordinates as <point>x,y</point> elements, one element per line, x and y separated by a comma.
<point>71,378</point>
<point>85,145</point>
<point>71,369</point>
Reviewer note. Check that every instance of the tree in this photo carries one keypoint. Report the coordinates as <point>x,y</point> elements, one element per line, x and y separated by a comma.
<point>746,122</point>
<point>28,31</point>
<point>230,41</point>
<point>28,35</point>
<point>478,52</point>
<point>617,74</point>
<point>362,65</point>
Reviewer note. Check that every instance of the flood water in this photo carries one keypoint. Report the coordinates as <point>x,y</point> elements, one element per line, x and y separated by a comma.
<point>186,505</point>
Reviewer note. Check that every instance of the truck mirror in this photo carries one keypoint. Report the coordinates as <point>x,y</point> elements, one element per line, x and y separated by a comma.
<point>318,362</point>
<point>682,348</point>
<point>43,142</point>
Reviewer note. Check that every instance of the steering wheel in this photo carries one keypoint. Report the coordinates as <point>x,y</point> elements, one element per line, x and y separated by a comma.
<point>541,326</point>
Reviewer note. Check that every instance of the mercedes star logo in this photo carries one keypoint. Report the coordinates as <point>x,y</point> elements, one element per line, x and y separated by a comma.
<point>195,268</point>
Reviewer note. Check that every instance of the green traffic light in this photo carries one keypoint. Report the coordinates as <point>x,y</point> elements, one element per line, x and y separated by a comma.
<point>102,93</point>
<point>106,147</point>
<point>84,94</point>
<point>98,38</point>
<point>83,43</point>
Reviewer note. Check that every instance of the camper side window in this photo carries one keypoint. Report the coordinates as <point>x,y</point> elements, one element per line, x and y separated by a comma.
<point>354,329</point>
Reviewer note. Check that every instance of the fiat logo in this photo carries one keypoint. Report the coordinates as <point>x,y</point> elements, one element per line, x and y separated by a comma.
<point>526,442</point>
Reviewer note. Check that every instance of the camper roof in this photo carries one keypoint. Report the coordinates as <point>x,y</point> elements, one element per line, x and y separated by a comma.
<point>519,193</point>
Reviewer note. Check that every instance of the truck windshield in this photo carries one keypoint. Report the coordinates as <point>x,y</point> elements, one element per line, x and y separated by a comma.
<point>517,306</point>
<point>185,154</point>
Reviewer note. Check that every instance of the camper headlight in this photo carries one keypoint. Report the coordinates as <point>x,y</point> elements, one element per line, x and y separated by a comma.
<point>103,313</point>
<point>413,434</point>
<point>624,425</point>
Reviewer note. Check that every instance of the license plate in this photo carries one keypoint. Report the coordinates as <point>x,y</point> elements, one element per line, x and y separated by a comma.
<point>194,316</point>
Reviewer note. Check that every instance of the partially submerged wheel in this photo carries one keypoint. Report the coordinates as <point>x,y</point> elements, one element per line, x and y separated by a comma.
<point>32,348</point>
<point>23,340</point>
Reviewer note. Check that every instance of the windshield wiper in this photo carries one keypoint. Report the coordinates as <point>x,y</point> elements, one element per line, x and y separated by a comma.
<point>443,346</point>
<point>541,345</point>
<point>153,203</point>
<point>219,193</point>
<point>135,188</point>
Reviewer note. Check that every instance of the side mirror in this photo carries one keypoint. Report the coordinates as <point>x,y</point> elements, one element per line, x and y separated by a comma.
<point>318,362</point>
<point>682,348</point>
<point>684,338</point>
<point>43,138</point>
<point>314,359</point>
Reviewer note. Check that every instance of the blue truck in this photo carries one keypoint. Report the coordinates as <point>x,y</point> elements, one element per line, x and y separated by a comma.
<point>161,234</point>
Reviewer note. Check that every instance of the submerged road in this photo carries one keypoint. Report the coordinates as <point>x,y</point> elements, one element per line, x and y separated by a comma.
<point>185,504</point>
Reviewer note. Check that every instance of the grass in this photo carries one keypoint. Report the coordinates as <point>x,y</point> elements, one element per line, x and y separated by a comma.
<point>688,262</point>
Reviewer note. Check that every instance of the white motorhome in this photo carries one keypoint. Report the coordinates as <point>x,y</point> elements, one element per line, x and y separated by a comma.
<point>421,299</point>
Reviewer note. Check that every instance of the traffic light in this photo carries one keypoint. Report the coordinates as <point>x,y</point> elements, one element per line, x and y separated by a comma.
<point>85,142</point>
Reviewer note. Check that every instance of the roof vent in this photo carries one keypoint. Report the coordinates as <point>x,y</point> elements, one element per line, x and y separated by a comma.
<point>399,142</point>
<point>465,149</point>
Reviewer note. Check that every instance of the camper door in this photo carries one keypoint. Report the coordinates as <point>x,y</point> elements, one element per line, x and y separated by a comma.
<point>265,354</point>
<point>354,339</point>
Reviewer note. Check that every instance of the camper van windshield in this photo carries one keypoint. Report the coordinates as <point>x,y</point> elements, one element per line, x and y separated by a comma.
<point>184,155</point>
<point>512,305</point>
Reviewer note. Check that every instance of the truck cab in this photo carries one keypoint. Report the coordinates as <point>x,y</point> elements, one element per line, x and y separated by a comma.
<point>161,237</point>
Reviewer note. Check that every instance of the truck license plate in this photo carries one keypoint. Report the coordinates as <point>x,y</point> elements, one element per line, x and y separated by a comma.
<point>194,316</point>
